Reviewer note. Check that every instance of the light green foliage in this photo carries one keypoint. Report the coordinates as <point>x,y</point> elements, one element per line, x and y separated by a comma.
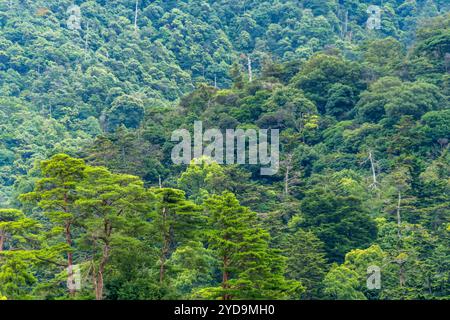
<point>341,283</point>
<point>306,261</point>
<point>203,177</point>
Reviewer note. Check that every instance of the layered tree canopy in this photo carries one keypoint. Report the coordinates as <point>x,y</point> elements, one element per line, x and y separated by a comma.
<point>93,207</point>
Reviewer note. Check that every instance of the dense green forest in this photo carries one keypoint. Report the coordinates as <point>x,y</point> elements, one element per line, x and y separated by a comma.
<point>87,182</point>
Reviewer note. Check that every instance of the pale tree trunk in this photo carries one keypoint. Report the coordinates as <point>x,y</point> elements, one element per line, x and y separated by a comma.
<point>136,15</point>
<point>286,180</point>
<point>86,39</point>
<point>250,72</point>
<point>402,275</point>
<point>290,176</point>
<point>374,173</point>
<point>345,27</point>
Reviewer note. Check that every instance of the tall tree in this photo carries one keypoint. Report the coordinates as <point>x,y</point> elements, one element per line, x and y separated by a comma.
<point>250,268</point>
<point>56,195</point>
<point>306,261</point>
<point>113,207</point>
<point>175,220</point>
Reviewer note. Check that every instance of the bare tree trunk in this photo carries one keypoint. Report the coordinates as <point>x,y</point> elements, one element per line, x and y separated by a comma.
<point>345,28</point>
<point>86,44</point>
<point>290,177</point>
<point>374,173</point>
<point>136,15</point>
<point>250,70</point>
<point>162,267</point>
<point>68,235</point>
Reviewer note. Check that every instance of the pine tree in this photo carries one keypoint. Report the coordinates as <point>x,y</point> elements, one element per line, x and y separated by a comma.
<point>175,220</point>
<point>56,194</point>
<point>306,261</point>
<point>113,206</point>
<point>250,268</point>
<point>18,237</point>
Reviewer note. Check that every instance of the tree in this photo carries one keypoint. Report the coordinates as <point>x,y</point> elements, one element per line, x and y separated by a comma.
<point>340,102</point>
<point>175,221</point>
<point>322,72</point>
<point>392,99</point>
<point>18,240</point>
<point>56,194</point>
<point>14,226</point>
<point>250,269</point>
<point>203,176</point>
<point>191,267</point>
<point>337,218</point>
<point>112,206</point>
<point>341,283</point>
<point>126,110</point>
<point>306,261</point>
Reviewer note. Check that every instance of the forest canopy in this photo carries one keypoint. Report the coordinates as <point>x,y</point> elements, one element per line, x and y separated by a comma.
<point>93,207</point>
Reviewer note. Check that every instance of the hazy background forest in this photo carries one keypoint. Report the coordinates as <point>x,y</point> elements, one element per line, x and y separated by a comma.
<point>89,194</point>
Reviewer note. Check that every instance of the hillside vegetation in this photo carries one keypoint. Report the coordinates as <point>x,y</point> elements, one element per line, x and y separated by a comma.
<point>87,180</point>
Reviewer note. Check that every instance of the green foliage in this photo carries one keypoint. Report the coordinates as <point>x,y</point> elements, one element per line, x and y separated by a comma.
<point>306,261</point>
<point>86,176</point>
<point>341,283</point>
<point>338,218</point>
<point>249,268</point>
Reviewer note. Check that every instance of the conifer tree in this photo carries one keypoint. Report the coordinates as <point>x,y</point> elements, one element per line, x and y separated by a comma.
<point>18,236</point>
<point>55,195</point>
<point>250,269</point>
<point>175,220</point>
<point>113,206</point>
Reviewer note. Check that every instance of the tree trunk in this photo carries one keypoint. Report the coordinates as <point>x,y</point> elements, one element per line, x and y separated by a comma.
<point>225,278</point>
<point>86,43</point>
<point>162,268</point>
<point>69,258</point>
<point>250,72</point>
<point>136,15</point>
<point>99,279</point>
<point>374,173</point>
<point>402,275</point>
